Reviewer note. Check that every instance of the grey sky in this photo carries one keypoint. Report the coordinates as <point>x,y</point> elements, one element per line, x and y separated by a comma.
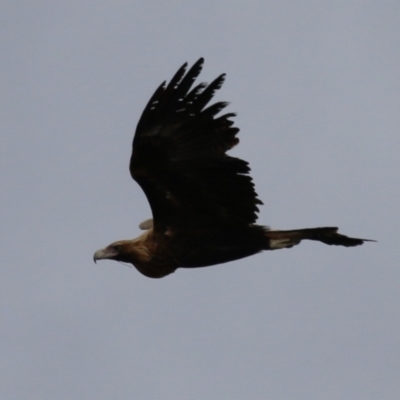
<point>317,90</point>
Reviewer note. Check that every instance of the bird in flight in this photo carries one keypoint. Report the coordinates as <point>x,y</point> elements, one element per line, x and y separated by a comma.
<point>203,201</point>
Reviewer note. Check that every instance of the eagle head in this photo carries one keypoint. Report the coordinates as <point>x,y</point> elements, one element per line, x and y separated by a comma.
<point>118,251</point>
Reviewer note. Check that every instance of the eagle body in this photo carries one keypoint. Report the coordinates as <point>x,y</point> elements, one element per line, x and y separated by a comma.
<point>156,254</point>
<point>203,201</point>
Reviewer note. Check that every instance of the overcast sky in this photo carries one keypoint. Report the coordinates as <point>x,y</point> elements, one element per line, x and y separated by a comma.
<point>316,85</point>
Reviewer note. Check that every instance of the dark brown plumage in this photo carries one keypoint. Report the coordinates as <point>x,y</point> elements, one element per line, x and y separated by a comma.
<point>203,201</point>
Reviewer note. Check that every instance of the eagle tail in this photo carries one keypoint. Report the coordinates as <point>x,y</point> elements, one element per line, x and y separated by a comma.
<point>329,235</point>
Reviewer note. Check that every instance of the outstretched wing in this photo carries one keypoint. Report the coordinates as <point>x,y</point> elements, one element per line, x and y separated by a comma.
<point>179,158</point>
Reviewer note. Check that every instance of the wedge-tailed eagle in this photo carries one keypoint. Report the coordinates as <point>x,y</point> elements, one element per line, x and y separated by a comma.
<point>203,201</point>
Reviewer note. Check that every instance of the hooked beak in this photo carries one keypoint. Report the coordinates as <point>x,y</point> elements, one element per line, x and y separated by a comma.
<point>104,254</point>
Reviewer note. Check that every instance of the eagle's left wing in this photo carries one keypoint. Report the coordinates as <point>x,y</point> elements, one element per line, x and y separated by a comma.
<point>179,158</point>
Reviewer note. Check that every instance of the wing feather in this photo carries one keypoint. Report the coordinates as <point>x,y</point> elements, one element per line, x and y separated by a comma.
<point>179,158</point>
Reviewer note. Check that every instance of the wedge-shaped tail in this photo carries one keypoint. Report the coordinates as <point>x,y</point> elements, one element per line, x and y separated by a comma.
<point>328,235</point>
